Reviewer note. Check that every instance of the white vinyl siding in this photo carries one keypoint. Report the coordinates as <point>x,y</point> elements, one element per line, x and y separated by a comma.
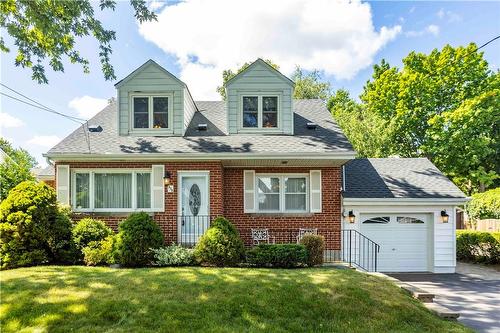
<point>111,190</point>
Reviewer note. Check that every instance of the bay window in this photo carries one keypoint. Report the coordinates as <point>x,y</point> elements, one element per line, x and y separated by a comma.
<point>260,111</point>
<point>282,193</point>
<point>111,190</point>
<point>151,111</point>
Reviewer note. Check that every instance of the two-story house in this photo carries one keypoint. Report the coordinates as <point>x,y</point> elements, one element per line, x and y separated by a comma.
<point>274,166</point>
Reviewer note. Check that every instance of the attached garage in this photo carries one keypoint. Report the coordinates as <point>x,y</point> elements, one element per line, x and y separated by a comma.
<point>407,207</point>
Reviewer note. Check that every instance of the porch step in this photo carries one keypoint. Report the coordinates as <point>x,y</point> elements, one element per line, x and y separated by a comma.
<point>417,292</point>
<point>442,311</point>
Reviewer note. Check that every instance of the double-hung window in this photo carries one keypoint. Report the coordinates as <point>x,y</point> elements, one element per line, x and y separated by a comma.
<point>282,193</point>
<point>110,190</point>
<point>260,111</point>
<point>151,112</point>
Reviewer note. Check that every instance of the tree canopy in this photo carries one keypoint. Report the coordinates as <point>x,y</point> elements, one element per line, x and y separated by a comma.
<point>442,105</point>
<point>46,32</point>
<point>310,85</point>
<point>15,167</point>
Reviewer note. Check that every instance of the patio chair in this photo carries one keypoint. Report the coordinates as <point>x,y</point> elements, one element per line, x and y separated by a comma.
<point>306,231</point>
<point>261,235</point>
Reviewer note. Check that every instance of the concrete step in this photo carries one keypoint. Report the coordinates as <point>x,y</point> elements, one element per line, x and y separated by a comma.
<point>417,292</point>
<point>442,311</point>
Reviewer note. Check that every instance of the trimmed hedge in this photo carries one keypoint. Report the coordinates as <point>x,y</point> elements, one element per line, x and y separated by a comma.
<point>484,205</point>
<point>278,255</point>
<point>315,246</point>
<point>99,252</point>
<point>221,245</point>
<point>137,235</point>
<point>478,246</point>
<point>90,230</point>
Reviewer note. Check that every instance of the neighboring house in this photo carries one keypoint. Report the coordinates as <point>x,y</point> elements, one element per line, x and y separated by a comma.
<point>46,175</point>
<point>262,159</point>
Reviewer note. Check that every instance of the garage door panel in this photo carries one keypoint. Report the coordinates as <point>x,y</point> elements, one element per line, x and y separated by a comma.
<point>403,246</point>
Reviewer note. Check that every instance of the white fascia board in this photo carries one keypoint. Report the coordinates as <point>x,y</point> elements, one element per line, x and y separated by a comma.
<point>198,156</point>
<point>404,201</point>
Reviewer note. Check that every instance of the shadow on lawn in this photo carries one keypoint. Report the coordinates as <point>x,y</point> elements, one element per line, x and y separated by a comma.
<point>204,299</point>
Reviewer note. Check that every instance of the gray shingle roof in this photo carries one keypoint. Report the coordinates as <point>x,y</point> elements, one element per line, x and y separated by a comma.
<point>327,138</point>
<point>397,178</point>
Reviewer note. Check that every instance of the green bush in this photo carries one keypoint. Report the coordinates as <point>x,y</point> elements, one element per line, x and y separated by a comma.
<point>137,235</point>
<point>484,205</point>
<point>315,246</point>
<point>278,255</point>
<point>221,245</point>
<point>174,255</point>
<point>89,230</point>
<point>99,252</point>
<point>33,229</point>
<point>478,246</point>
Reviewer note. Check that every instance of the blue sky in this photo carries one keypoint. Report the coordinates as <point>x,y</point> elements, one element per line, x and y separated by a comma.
<point>195,40</point>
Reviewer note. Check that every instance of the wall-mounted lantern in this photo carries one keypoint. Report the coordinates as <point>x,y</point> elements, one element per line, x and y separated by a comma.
<point>167,178</point>
<point>444,216</point>
<point>351,217</point>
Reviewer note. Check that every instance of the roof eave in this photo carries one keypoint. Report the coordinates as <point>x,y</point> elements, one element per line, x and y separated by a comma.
<point>435,201</point>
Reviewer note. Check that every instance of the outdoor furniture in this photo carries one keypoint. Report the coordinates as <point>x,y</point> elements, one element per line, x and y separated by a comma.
<point>306,231</point>
<point>261,235</point>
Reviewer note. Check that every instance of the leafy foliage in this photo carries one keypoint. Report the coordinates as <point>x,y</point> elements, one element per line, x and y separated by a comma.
<point>15,168</point>
<point>137,235</point>
<point>173,255</point>
<point>277,255</point>
<point>442,105</point>
<point>47,31</point>
<point>33,229</point>
<point>315,246</point>
<point>228,74</point>
<point>100,252</point>
<point>221,245</point>
<point>89,230</point>
<point>309,86</point>
<point>484,205</point>
<point>478,246</point>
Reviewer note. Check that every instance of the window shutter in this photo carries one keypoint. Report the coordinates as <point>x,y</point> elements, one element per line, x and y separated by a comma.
<point>249,191</point>
<point>157,188</point>
<point>62,184</point>
<point>315,190</point>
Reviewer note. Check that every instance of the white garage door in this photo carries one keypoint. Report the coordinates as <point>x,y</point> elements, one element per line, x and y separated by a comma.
<point>402,238</point>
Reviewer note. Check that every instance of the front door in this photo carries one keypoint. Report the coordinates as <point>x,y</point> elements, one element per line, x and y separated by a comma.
<point>193,207</point>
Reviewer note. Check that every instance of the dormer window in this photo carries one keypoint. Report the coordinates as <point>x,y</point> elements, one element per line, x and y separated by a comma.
<point>260,111</point>
<point>151,111</point>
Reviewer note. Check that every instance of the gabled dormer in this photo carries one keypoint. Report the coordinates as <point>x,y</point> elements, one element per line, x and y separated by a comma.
<point>259,101</point>
<point>153,102</point>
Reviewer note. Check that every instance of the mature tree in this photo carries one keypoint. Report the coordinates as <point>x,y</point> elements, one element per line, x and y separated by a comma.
<point>14,168</point>
<point>46,32</point>
<point>435,101</point>
<point>228,74</point>
<point>366,131</point>
<point>309,86</point>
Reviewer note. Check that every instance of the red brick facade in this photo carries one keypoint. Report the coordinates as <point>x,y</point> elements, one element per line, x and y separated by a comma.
<point>226,198</point>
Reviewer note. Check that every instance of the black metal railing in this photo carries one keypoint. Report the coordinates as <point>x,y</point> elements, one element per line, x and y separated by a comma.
<point>191,228</point>
<point>359,250</point>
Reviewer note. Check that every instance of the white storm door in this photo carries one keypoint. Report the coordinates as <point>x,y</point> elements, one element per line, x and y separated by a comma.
<point>194,217</point>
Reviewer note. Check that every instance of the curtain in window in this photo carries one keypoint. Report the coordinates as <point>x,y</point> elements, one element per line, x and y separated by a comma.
<point>143,190</point>
<point>82,190</point>
<point>295,194</point>
<point>113,190</point>
<point>269,193</point>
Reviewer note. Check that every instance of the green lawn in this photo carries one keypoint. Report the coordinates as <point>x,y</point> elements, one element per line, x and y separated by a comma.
<point>61,299</point>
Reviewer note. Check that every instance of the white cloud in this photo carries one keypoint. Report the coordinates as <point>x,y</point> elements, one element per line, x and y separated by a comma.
<point>430,29</point>
<point>87,106</point>
<point>450,16</point>
<point>440,13</point>
<point>207,37</point>
<point>154,5</point>
<point>8,121</point>
<point>44,140</point>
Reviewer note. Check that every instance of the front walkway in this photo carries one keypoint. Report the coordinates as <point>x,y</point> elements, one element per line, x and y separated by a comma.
<point>474,292</point>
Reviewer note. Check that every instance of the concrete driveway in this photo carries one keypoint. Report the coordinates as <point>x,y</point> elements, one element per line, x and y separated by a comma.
<point>474,292</point>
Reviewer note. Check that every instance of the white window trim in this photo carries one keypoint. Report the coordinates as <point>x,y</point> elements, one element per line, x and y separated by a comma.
<point>150,112</point>
<point>92,172</point>
<point>260,111</point>
<point>281,192</point>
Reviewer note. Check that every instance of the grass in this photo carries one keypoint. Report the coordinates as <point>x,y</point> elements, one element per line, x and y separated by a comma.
<point>84,299</point>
